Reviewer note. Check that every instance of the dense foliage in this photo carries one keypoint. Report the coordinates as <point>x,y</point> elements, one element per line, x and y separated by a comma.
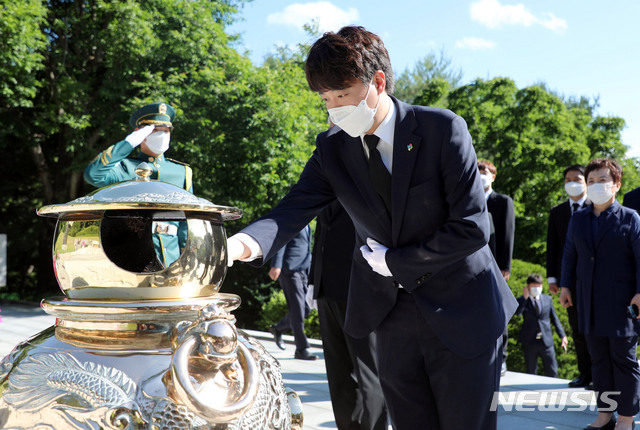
<point>72,71</point>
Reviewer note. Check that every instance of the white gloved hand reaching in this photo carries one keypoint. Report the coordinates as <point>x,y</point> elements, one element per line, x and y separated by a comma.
<point>235,249</point>
<point>138,136</point>
<point>375,253</point>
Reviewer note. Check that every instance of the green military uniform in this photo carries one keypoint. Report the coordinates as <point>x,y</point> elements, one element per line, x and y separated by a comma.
<point>118,163</point>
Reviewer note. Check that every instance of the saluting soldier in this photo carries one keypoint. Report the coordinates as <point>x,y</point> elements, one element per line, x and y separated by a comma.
<point>152,126</point>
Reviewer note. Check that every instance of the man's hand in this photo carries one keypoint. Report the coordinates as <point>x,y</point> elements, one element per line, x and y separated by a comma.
<point>565,298</point>
<point>138,136</point>
<point>506,274</point>
<point>374,253</point>
<point>525,292</point>
<point>563,343</point>
<point>635,300</point>
<point>553,288</point>
<point>236,250</point>
<point>274,273</point>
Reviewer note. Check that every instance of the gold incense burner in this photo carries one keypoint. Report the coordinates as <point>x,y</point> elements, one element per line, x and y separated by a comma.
<point>143,338</point>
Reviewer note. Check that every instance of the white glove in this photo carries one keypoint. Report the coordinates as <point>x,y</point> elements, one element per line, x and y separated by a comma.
<point>375,256</point>
<point>138,136</point>
<point>235,249</point>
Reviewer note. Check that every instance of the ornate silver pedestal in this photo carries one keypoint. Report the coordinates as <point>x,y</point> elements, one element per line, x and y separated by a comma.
<point>142,347</point>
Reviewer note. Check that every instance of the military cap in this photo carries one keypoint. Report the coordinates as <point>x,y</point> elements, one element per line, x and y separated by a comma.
<point>154,114</point>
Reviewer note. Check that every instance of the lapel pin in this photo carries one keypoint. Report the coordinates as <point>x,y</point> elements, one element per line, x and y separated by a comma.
<point>410,147</point>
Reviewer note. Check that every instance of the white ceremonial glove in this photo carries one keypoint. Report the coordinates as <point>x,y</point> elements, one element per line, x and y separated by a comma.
<point>235,249</point>
<point>138,136</point>
<point>375,253</point>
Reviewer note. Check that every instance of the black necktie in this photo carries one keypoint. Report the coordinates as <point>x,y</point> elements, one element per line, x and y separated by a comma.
<point>536,304</point>
<point>380,176</point>
<point>575,207</point>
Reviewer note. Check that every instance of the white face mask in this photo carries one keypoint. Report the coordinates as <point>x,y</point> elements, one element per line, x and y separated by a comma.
<point>354,120</point>
<point>158,142</point>
<point>574,189</point>
<point>487,180</point>
<point>535,291</point>
<point>600,193</point>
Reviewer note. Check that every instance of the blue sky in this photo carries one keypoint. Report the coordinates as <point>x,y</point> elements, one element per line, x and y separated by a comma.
<point>577,47</point>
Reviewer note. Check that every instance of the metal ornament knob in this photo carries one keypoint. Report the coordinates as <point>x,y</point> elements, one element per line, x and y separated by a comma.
<point>143,171</point>
<point>209,355</point>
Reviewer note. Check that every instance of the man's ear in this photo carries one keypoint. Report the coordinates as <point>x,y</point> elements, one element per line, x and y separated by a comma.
<point>380,81</point>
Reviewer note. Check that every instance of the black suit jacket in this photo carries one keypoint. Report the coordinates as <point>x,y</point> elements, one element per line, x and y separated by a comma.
<point>504,221</point>
<point>532,323</point>
<point>333,244</point>
<point>604,269</point>
<point>295,256</point>
<point>559,218</point>
<point>632,199</point>
<point>436,233</point>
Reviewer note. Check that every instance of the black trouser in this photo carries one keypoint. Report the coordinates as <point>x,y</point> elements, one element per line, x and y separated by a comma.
<point>615,368</point>
<point>294,286</point>
<point>356,395</point>
<point>427,386</point>
<point>582,352</point>
<point>548,355</point>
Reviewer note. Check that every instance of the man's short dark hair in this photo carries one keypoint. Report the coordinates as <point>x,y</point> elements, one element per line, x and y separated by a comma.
<point>534,278</point>
<point>337,59</point>
<point>576,167</point>
<point>607,163</point>
<point>487,165</point>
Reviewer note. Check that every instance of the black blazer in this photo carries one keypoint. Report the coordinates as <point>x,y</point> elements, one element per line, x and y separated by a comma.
<point>559,218</point>
<point>504,221</point>
<point>604,269</point>
<point>295,256</point>
<point>632,199</point>
<point>333,244</point>
<point>532,323</point>
<point>436,233</point>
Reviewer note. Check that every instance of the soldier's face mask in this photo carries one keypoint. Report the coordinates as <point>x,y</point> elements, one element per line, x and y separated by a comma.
<point>158,142</point>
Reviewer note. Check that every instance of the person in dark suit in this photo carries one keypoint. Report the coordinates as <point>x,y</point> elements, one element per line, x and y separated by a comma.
<point>356,395</point>
<point>632,199</point>
<point>559,216</point>
<point>536,337</point>
<point>503,225</point>
<point>423,275</point>
<point>504,218</point>
<point>290,267</point>
<point>601,258</point>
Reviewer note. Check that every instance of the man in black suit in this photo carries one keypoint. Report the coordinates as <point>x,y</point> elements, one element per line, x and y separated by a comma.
<point>423,276</point>
<point>503,219</point>
<point>536,337</point>
<point>356,395</point>
<point>290,267</point>
<point>559,218</point>
<point>632,199</point>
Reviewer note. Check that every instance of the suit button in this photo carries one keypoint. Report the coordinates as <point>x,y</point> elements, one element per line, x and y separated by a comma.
<point>592,259</point>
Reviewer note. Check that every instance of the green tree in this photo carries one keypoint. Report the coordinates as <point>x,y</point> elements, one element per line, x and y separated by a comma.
<point>431,76</point>
<point>246,131</point>
<point>531,135</point>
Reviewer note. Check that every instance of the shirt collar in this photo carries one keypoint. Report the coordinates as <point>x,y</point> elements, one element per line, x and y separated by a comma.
<point>613,206</point>
<point>580,202</point>
<point>488,193</point>
<point>387,127</point>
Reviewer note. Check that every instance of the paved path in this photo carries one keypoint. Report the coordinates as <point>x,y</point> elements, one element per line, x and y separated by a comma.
<point>555,406</point>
